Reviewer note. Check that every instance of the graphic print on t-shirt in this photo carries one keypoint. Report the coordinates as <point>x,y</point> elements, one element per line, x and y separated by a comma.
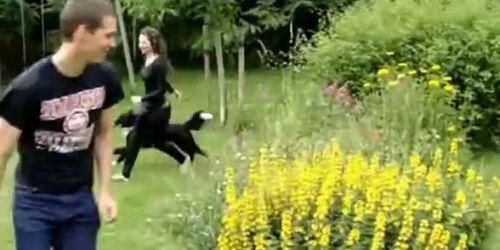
<point>74,110</point>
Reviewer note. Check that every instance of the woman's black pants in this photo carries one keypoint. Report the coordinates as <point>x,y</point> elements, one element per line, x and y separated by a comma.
<point>149,131</point>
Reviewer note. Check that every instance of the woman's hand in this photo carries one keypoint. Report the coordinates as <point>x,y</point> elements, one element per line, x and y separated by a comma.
<point>177,94</point>
<point>135,99</point>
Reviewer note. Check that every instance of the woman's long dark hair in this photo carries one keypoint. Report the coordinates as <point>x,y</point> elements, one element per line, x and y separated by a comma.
<point>158,44</point>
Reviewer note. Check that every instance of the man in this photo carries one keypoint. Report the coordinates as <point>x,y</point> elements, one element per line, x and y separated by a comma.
<point>59,113</point>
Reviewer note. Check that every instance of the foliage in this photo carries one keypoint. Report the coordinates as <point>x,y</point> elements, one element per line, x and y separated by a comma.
<point>463,36</point>
<point>154,11</point>
<point>399,110</point>
<point>10,17</point>
<point>346,201</point>
<point>405,110</point>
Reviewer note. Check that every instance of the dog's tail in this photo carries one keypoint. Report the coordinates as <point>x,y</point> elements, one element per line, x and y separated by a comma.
<point>197,120</point>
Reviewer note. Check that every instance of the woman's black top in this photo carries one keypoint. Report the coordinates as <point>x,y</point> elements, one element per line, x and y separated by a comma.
<point>156,85</point>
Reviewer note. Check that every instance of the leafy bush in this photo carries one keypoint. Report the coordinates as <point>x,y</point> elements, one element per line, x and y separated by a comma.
<point>336,200</point>
<point>463,36</point>
<point>400,110</point>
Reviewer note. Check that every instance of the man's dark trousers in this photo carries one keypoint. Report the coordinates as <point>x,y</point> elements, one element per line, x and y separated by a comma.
<point>63,221</point>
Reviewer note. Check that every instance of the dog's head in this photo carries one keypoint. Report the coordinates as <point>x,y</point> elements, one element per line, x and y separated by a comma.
<point>205,116</point>
<point>198,119</point>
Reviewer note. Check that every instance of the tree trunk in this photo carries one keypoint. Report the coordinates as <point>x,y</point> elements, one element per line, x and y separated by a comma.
<point>134,35</point>
<point>206,64</point>
<point>23,31</point>
<point>220,73</point>
<point>241,72</point>
<point>42,20</point>
<point>1,77</point>
<point>126,49</point>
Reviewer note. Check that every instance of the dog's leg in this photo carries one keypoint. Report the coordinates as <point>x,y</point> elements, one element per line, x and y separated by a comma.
<point>199,150</point>
<point>185,165</point>
<point>172,151</point>
<point>121,155</point>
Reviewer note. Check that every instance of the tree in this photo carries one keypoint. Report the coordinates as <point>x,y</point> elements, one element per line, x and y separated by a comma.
<point>153,11</point>
<point>23,29</point>
<point>261,17</point>
<point>16,21</point>
<point>218,18</point>
<point>57,5</point>
<point>126,47</point>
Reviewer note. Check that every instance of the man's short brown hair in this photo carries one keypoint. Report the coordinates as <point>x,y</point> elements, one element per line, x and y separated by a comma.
<point>83,12</point>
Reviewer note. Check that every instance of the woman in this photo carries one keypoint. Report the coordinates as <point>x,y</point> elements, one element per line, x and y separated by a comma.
<point>155,69</point>
<point>157,90</point>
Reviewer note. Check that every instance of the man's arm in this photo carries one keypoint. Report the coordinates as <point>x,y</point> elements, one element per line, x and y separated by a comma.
<point>103,149</point>
<point>9,135</point>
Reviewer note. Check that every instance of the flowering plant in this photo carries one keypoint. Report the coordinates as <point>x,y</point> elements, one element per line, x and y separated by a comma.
<point>346,201</point>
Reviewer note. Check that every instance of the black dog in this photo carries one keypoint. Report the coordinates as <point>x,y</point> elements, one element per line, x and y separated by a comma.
<point>176,140</point>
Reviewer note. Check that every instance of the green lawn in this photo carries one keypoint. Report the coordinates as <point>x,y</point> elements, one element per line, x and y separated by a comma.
<point>156,178</point>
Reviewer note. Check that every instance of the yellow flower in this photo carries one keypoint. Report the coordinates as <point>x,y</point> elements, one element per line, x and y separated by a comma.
<point>230,186</point>
<point>453,169</point>
<point>449,88</point>
<point>335,195</point>
<point>423,71</point>
<point>435,236</point>
<point>403,65</point>
<point>392,83</point>
<point>389,53</point>
<point>324,240</point>
<point>471,176</point>
<point>286,230</point>
<point>460,198</point>
<point>435,67</point>
<point>412,72</point>
<point>462,242</point>
<point>367,85</point>
<point>383,72</point>
<point>434,84</point>
<point>401,76</point>
<point>406,231</point>
<point>423,232</point>
<point>451,129</point>
<point>447,78</point>
<point>261,224</point>
<point>454,146</point>
<point>378,238</point>
<point>353,237</point>
<point>434,180</point>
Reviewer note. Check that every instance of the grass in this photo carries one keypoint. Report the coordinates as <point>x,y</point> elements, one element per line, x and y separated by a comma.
<point>156,178</point>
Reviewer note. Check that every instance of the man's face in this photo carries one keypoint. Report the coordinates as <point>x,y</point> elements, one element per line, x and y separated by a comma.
<point>94,46</point>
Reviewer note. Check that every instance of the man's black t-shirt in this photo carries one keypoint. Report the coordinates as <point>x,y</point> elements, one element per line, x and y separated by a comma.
<point>58,116</point>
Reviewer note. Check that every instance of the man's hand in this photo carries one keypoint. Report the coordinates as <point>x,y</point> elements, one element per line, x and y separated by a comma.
<point>104,156</point>
<point>108,207</point>
<point>9,135</point>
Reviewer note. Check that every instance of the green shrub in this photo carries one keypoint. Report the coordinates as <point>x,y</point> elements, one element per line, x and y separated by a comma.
<point>463,36</point>
<point>402,112</point>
